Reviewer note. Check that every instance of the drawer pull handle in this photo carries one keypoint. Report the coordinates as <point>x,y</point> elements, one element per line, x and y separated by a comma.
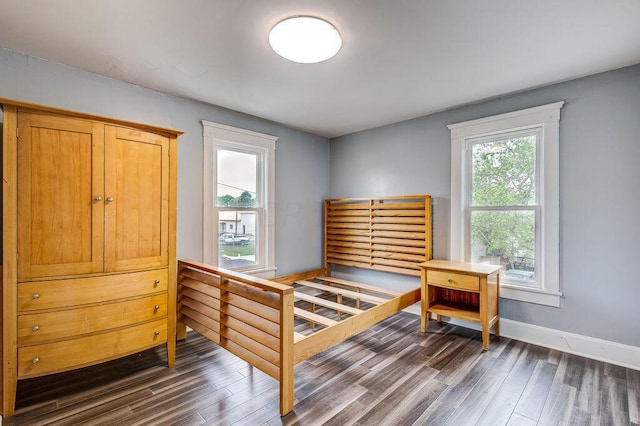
<point>156,308</point>
<point>156,282</point>
<point>35,328</point>
<point>35,360</point>
<point>156,333</point>
<point>98,198</point>
<point>35,296</point>
<point>109,199</point>
<point>450,281</point>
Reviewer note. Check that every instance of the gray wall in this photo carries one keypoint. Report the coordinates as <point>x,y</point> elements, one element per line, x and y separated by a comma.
<point>599,193</point>
<point>302,159</point>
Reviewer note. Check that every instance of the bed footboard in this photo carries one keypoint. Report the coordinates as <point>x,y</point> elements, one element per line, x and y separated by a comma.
<point>250,317</point>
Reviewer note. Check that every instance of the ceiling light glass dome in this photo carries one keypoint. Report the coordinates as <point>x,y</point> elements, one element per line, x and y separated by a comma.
<point>305,39</point>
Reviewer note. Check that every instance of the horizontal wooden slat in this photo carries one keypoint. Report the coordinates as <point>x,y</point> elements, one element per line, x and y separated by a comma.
<point>353,232</point>
<point>350,244</point>
<point>310,316</point>
<point>225,331</point>
<point>348,250</point>
<point>398,249</point>
<point>234,348</point>
<point>333,220</point>
<point>348,206</point>
<point>392,234</point>
<point>246,304</point>
<point>327,303</point>
<point>240,324</point>
<point>414,258</point>
<point>353,258</point>
<point>256,294</point>
<point>398,220</point>
<point>401,212</point>
<point>336,238</point>
<point>344,292</point>
<point>347,213</point>
<point>366,287</point>
<point>343,225</point>
<point>398,242</point>
<point>396,263</point>
<point>399,227</point>
<point>336,261</point>
<point>400,205</point>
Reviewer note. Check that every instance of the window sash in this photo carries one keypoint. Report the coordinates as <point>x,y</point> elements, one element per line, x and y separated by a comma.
<point>537,282</point>
<point>259,154</point>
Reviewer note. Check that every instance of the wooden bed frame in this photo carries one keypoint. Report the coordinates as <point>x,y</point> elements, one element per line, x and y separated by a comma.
<point>255,318</point>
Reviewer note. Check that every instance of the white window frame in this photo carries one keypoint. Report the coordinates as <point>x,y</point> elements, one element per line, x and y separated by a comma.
<point>217,136</point>
<point>547,119</point>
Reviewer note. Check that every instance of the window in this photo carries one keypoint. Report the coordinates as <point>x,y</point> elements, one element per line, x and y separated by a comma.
<point>238,199</point>
<point>505,199</point>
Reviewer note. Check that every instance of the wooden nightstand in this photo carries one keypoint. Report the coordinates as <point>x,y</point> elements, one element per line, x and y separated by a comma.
<point>468,291</point>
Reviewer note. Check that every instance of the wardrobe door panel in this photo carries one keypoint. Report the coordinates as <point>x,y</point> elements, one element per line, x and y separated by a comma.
<point>137,199</point>
<point>60,186</point>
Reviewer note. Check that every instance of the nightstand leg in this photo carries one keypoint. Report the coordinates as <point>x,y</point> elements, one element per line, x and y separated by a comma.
<point>485,337</point>
<point>496,328</point>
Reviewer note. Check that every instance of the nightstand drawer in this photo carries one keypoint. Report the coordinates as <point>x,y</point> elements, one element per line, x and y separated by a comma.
<point>453,280</point>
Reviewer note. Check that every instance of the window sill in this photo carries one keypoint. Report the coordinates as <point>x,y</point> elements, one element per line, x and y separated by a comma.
<point>530,295</point>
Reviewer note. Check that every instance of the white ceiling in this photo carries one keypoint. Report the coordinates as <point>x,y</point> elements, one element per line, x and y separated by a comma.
<point>400,58</point>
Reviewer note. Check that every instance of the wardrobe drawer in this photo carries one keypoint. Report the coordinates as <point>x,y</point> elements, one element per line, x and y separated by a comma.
<point>75,353</point>
<point>453,280</point>
<point>81,291</point>
<point>65,324</point>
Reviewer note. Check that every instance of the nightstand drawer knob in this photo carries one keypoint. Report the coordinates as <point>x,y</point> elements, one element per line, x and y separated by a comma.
<point>156,333</point>
<point>35,296</point>
<point>35,328</point>
<point>157,307</point>
<point>450,281</point>
<point>35,360</point>
<point>156,282</point>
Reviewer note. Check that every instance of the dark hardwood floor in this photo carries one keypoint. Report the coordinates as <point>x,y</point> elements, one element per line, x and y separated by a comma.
<point>390,374</point>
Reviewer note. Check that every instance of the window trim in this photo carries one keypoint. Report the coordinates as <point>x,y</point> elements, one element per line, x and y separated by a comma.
<point>547,118</point>
<point>216,136</point>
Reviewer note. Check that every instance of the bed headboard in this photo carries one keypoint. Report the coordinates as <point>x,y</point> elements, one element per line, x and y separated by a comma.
<point>391,234</point>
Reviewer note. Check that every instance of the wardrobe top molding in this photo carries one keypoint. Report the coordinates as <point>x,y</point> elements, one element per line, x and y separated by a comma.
<point>43,108</point>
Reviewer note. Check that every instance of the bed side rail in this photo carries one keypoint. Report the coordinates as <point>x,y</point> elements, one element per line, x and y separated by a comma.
<point>248,316</point>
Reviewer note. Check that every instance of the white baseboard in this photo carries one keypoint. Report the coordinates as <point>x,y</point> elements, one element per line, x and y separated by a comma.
<point>599,349</point>
<point>590,347</point>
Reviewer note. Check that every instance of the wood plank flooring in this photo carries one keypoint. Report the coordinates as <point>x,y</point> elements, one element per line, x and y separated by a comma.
<point>390,374</point>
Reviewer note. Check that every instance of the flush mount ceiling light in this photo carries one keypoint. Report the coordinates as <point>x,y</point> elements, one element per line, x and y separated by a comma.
<point>305,39</point>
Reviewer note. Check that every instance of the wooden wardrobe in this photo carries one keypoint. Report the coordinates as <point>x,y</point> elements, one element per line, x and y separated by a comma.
<point>88,262</point>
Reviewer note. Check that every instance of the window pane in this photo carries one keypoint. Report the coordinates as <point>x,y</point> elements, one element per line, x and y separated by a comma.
<point>237,239</point>
<point>505,237</point>
<point>503,172</point>
<point>237,179</point>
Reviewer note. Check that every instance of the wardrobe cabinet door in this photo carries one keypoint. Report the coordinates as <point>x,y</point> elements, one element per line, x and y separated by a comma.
<point>60,191</point>
<point>136,199</point>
